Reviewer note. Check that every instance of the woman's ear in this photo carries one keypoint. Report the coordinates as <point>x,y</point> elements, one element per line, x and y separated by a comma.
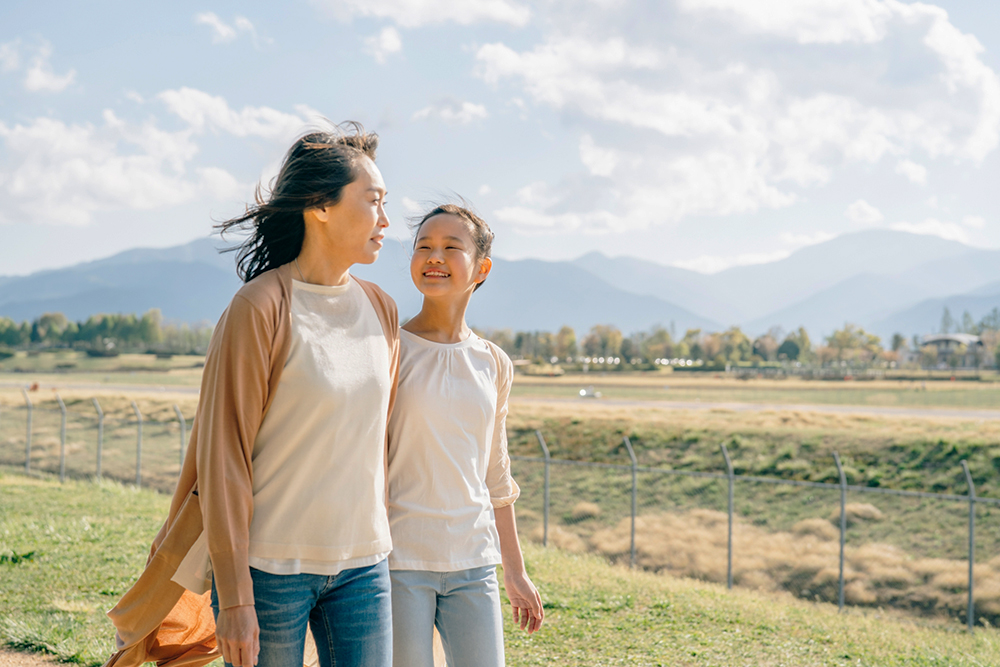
<point>485,266</point>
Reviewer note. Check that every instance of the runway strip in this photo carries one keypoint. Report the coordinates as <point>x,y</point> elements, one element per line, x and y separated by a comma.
<point>953,413</point>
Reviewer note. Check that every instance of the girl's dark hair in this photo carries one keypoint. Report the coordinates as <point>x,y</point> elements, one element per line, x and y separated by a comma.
<point>481,233</point>
<point>314,173</point>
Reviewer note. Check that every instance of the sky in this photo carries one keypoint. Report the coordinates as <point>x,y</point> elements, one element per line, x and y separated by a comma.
<point>698,133</point>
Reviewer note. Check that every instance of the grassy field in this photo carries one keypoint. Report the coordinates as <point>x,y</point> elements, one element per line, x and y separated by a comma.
<point>77,547</point>
<point>902,552</point>
<point>709,388</point>
<point>972,391</point>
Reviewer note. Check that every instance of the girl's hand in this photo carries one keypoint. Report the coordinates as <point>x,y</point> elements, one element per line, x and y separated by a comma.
<point>525,602</point>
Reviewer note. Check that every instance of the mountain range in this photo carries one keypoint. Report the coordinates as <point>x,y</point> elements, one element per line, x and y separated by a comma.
<point>885,281</point>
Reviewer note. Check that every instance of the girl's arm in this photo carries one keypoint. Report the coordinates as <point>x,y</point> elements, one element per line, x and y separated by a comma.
<point>525,602</point>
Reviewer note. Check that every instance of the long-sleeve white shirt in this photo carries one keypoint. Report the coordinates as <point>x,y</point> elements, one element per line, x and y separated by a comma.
<point>448,461</point>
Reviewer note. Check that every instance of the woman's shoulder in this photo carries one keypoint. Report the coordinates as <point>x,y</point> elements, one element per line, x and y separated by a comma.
<point>267,290</point>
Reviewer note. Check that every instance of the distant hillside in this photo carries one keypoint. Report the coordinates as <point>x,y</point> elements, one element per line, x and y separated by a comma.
<point>861,278</point>
<point>189,283</point>
<point>193,282</point>
<point>925,317</point>
<point>529,295</point>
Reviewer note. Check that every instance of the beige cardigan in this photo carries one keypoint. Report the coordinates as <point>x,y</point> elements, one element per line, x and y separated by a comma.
<point>157,620</point>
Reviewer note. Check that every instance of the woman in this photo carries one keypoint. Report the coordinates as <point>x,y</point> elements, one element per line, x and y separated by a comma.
<point>281,500</point>
<point>451,494</point>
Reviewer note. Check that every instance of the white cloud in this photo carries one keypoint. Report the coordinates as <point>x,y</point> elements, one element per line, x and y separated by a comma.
<point>790,241</point>
<point>691,138</point>
<point>863,213</point>
<point>933,227</point>
<point>803,240</point>
<point>40,76</point>
<point>974,221</point>
<point>221,31</point>
<point>384,44</point>
<point>716,263</point>
<point>805,21</point>
<point>451,111</point>
<point>411,207</point>
<point>484,190</point>
<point>913,171</point>
<point>224,33</point>
<point>135,97</point>
<point>600,162</point>
<point>63,174</point>
<point>416,13</point>
<point>207,112</point>
<point>10,56</point>
<point>59,173</point>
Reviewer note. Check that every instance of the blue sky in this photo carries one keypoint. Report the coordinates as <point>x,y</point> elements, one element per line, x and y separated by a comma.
<point>700,133</point>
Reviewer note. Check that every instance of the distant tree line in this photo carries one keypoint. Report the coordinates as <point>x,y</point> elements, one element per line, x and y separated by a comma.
<point>106,333</point>
<point>852,346</point>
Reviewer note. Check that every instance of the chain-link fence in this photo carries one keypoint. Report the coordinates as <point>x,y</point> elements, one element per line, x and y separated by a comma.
<point>82,441</point>
<point>856,545</point>
<point>934,554</point>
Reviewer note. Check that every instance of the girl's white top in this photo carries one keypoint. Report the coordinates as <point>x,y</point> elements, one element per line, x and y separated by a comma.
<point>319,457</point>
<point>448,462</point>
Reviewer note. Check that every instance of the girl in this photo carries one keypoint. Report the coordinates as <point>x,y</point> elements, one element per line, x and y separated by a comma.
<point>451,495</point>
<point>280,506</point>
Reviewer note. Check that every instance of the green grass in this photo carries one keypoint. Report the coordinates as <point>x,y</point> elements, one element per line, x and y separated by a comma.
<point>90,542</point>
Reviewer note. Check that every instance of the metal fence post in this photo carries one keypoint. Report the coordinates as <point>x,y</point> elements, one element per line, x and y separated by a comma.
<point>545,505</point>
<point>62,440</point>
<point>635,465</point>
<point>843,528</point>
<point>27,438</point>
<point>180,418</point>
<point>138,445</point>
<point>100,435</point>
<point>729,555</point>
<point>972,542</point>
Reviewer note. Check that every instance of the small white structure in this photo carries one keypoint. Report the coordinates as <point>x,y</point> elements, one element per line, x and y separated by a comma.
<point>959,350</point>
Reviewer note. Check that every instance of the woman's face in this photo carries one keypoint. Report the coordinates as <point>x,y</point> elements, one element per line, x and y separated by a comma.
<point>444,258</point>
<point>354,225</point>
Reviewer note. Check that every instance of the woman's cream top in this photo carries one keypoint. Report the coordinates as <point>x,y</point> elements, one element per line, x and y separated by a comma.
<point>448,462</point>
<point>318,460</point>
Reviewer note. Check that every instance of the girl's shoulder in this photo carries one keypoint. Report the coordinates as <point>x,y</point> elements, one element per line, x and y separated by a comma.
<point>505,367</point>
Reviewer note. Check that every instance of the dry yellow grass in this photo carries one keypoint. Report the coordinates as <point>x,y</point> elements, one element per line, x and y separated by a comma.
<point>803,562</point>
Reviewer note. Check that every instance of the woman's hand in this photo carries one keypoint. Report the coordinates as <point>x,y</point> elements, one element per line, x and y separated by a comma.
<point>238,635</point>
<point>525,601</point>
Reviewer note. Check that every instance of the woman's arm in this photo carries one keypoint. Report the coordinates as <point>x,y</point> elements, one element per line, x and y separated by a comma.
<point>525,602</point>
<point>233,394</point>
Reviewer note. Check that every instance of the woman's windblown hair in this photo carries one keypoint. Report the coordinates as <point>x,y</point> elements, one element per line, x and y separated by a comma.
<point>314,173</point>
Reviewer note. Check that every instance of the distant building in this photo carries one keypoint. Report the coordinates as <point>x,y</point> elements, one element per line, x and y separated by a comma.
<point>968,348</point>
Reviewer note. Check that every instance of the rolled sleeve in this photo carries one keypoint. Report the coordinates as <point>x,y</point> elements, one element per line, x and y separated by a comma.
<point>503,489</point>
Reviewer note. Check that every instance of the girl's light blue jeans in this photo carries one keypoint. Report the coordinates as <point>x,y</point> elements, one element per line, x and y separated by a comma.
<point>349,613</point>
<point>465,607</point>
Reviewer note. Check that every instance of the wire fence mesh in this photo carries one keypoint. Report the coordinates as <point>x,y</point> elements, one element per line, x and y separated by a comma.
<point>837,543</point>
<point>79,443</point>
<point>828,542</point>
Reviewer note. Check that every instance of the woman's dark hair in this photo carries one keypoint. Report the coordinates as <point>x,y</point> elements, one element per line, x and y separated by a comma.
<point>481,233</point>
<point>314,173</point>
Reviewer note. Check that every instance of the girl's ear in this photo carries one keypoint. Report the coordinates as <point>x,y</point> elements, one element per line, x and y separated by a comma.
<point>485,266</point>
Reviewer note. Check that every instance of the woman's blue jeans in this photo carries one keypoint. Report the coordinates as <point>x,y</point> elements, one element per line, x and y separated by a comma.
<point>350,615</point>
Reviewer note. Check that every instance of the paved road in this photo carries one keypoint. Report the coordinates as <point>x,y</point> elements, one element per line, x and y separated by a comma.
<point>103,386</point>
<point>770,407</point>
<point>952,413</point>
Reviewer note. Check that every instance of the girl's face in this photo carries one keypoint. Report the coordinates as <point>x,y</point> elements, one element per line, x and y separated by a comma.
<point>444,259</point>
